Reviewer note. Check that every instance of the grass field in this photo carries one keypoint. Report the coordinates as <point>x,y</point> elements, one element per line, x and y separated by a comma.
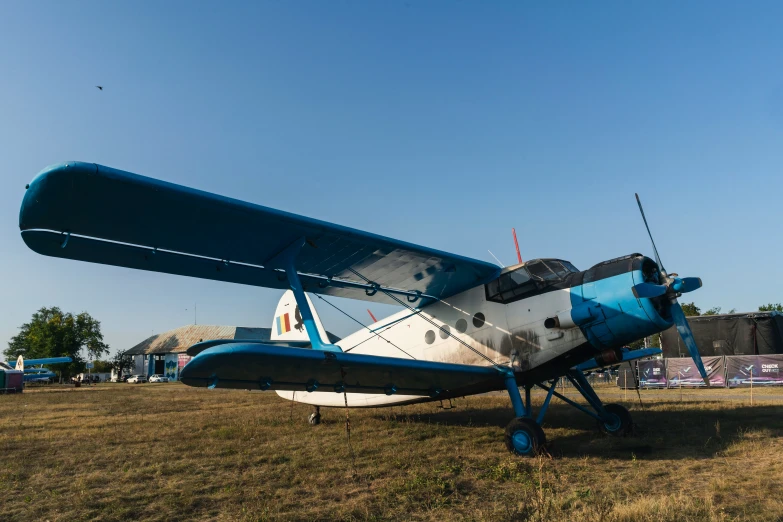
<point>168,452</point>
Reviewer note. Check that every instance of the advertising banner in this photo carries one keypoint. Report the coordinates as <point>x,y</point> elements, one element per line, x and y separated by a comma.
<point>762,370</point>
<point>652,374</point>
<point>182,360</point>
<point>682,371</point>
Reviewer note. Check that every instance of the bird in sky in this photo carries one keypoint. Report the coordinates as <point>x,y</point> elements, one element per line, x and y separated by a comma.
<point>99,87</point>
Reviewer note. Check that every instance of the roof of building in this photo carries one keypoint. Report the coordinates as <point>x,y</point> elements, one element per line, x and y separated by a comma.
<point>180,339</point>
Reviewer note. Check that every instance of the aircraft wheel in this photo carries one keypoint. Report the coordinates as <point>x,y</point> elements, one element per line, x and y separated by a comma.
<point>620,424</point>
<point>314,419</point>
<point>524,437</point>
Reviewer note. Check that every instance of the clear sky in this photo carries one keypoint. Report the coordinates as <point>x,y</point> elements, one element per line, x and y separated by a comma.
<point>440,123</point>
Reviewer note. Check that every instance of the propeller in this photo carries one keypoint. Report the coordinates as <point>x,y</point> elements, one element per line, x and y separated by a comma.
<point>673,286</point>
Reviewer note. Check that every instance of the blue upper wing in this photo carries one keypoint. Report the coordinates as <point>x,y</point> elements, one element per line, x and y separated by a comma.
<point>263,366</point>
<point>94,213</point>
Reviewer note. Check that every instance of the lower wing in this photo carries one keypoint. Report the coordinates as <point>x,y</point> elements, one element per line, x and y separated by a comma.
<point>268,367</point>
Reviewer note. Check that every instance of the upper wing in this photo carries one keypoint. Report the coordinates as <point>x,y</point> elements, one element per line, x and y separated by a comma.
<point>264,366</point>
<point>94,213</point>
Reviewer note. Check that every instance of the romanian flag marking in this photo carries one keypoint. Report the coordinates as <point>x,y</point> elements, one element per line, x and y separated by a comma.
<point>283,324</point>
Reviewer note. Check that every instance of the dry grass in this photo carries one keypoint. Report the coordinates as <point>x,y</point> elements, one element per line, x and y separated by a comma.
<point>168,452</point>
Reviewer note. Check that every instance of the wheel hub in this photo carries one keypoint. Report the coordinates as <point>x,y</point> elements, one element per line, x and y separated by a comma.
<point>614,423</point>
<point>522,442</point>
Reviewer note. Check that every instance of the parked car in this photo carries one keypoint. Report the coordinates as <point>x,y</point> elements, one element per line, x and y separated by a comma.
<point>136,379</point>
<point>158,378</point>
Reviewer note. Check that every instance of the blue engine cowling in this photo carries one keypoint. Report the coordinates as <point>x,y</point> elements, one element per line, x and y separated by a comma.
<point>609,314</point>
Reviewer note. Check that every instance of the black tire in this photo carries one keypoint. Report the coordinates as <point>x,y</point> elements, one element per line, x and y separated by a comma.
<point>314,419</point>
<point>524,437</point>
<point>622,425</point>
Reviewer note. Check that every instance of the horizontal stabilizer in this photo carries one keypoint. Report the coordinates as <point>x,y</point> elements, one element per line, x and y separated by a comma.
<point>265,367</point>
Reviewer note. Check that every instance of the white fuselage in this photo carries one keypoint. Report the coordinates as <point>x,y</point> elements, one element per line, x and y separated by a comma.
<point>510,334</point>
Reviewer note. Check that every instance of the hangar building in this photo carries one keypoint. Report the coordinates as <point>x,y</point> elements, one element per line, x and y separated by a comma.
<point>164,354</point>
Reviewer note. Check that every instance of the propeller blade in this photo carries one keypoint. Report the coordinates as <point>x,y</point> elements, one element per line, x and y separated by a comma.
<point>684,329</point>
<point>657,257</point>
<point>689,284</point>
<point>648,290</point>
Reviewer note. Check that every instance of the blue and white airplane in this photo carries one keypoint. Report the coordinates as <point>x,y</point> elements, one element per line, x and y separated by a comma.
<point>466,326</point>
<point>40,374</point>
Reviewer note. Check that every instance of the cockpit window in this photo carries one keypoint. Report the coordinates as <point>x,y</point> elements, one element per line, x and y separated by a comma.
<point>539,269</point>
<point>568,266</point>
<point>557,267</point>
<point>511,285</point>
<point>528,280</point>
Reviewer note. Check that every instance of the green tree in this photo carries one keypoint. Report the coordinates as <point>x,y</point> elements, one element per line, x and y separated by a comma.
<point>777,307</point>
<point>52,333</point>
<point>655,342</point>
<point>122,364</point>
<point>716,310</point>
<point>690,309</point>
<point>102,367</point>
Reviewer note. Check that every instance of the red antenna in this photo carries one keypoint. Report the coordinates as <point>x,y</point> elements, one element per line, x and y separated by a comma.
<point>374,320</point>
<point>516,244</point>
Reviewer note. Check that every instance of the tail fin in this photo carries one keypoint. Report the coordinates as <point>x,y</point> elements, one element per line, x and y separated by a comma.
<point>287,324</point>
<point>20,363</point>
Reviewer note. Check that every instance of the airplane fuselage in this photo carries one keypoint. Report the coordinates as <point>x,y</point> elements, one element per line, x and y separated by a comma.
<point>539,327</point>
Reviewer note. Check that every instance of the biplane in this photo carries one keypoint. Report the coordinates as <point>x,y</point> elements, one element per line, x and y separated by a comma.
<point>39,374</point>
<point>465,326</point>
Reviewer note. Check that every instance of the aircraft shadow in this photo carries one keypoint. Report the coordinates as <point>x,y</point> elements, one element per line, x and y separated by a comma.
<point>684,431</point>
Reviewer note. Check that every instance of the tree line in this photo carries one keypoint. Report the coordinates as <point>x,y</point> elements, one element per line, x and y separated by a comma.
<point>54,333</point>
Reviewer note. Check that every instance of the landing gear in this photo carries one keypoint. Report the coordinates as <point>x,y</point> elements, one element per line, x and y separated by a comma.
<point>315,418</point>
<point>524,437</point>
<point>619,423</point>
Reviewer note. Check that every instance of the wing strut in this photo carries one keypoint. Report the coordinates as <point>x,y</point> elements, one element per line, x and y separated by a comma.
<point>287,257</point>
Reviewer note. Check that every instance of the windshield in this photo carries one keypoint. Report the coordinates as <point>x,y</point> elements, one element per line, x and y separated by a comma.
<point>528,279</point>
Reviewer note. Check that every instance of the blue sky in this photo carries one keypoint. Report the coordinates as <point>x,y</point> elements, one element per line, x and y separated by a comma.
<point>440,123</point>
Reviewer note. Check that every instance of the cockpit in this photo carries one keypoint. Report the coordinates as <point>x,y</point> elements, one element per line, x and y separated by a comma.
<point>531,278</point>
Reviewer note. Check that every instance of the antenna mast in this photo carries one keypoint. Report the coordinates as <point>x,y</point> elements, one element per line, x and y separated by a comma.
<point>516,244</point>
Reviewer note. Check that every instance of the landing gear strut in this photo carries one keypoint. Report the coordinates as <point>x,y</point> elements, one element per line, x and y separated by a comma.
<point>524,435</point>
<point>315,418</point>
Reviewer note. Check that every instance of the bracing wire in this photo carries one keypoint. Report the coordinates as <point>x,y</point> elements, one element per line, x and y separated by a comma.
<point>433,323</point>
<point>363,326</point>
<point>348,426</point>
